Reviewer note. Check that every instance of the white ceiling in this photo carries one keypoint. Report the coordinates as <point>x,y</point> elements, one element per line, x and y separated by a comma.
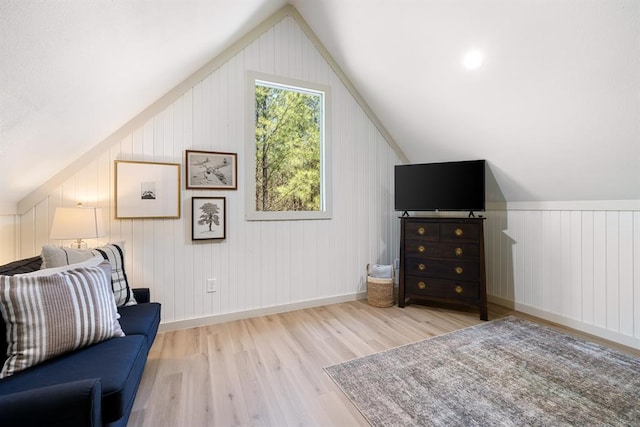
<point>555,108</point>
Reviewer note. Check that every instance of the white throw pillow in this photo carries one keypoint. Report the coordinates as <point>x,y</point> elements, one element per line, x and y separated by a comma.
<point>47,316</point>
<point>53,256</point>
<point>91,262</point>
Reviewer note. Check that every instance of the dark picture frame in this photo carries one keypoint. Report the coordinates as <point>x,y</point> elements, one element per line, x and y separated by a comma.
<point>208,218</point>
<point>211,170</point>
<point>147,190</point>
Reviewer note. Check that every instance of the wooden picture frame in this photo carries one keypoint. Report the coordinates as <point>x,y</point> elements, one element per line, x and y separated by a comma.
<point>208,218</point>
<point>211,170</point>
<point>147,190</point>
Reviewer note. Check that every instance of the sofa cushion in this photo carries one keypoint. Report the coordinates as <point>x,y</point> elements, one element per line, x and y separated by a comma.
<point>53,256</point>
<point>118,362</point>
<point>51,315</point>
<point>21,266</point>
<point>141,319</point>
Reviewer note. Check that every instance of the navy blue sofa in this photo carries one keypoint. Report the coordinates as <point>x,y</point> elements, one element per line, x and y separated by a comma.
<point>92,386</point>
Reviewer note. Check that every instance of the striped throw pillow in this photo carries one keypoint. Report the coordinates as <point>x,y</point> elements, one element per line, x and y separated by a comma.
<point>48,316</point>
<point>53,256</point>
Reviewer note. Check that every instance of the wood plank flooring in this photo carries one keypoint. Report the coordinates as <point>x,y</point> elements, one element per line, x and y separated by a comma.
<point>268,371</point>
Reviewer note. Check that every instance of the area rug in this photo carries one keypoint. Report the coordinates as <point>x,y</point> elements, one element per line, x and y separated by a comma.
<point>508,372</point>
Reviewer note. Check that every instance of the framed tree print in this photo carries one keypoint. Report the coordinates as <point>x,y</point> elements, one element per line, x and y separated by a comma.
<point>210,170</point>
<point>209,217</point>
<point>147,190</point>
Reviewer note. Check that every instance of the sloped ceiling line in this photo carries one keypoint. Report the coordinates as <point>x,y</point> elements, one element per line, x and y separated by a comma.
<point>287,11</point>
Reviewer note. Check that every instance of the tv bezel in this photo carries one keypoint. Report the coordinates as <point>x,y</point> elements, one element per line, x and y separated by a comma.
<point>446,208</point>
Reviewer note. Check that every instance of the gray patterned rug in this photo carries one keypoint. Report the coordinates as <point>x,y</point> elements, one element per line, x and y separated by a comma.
<point>508,372</point>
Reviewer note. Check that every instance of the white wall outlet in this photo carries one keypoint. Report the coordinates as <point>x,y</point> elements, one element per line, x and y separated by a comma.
<point>212,285</point>
<point>396,263</point>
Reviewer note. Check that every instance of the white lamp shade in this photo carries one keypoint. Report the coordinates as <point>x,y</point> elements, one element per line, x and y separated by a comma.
<point>77,223</point>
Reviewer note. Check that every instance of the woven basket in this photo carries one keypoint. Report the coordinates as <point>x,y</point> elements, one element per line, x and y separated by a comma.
<point>380,291</point>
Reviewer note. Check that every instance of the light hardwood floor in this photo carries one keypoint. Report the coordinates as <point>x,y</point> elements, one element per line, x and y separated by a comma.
<point>268,371</point>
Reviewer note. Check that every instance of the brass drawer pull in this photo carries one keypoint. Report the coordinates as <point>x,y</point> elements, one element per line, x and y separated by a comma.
<point>459,252</point>
<point>421,231</point>
<point>422,285</point>
<point>458,232</point>
<point>459,270</point>
<point>421,248</point>
<point>422,267</point>
<point>458,289</point>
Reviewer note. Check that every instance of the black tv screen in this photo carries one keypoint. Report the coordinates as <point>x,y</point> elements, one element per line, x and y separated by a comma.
<point>449,186</point>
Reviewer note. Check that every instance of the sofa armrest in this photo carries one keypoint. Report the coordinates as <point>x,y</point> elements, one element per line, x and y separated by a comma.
<point>73,404</point>
<point>142,295</point>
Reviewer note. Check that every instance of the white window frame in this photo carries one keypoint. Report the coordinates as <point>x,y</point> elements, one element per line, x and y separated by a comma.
<point>325,212</point>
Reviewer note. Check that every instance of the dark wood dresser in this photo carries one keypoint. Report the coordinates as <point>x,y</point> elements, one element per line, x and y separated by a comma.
<point>442,259</point>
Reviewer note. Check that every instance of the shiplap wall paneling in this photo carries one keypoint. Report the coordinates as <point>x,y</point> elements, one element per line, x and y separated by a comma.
<point>626,277</point>
<point>499,247</point>
<point>579,265</point>
<point>9,238</point>
<point>636,275</point>
<point>259,264</point>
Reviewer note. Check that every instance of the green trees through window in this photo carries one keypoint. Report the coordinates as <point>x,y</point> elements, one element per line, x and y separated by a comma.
<point>288,148</point>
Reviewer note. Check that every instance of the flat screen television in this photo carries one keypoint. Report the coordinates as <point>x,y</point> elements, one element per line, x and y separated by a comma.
<point>448,186</point>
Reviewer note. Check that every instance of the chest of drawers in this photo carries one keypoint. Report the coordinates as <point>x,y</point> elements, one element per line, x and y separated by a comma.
<point>442,259</point>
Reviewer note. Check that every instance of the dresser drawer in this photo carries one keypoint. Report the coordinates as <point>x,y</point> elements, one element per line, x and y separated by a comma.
<point>445,289</point>
<point>462,270</point>
<point>443,250</point>
<point>459,232</point>
<point>442,259</point>
<point>419,230</point>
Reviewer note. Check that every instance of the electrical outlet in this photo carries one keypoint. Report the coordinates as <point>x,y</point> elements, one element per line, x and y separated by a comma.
<point>212,285</point>
<point>396,263</point>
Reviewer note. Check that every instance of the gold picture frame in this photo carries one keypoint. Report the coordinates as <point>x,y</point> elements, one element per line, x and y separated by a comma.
<point>147,190</point>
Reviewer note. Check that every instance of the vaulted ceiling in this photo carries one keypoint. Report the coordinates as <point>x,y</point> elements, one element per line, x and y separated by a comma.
<point>554,108</point>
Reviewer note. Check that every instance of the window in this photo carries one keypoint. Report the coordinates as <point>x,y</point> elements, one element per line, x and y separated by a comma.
<point>287,172</point>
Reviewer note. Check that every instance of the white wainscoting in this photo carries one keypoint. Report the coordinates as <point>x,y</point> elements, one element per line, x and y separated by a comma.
<point>260,264</point>
<point>8,237</point>
<point>579,267</point>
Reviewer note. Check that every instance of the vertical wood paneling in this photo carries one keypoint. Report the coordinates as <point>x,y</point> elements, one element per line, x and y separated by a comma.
<point>613,273</point>
<point>573,298</point>
<point>636,274</point>
<point>260,264</point>
<point>9,226</point>
<point>625,267</point>
<point>600,269</point>
<point>587,264</point>
<point>579,267</point>
<point>27,234</point>
<point>533,225</point>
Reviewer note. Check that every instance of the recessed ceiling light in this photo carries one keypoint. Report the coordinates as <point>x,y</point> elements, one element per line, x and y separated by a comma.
<point>472,60</point>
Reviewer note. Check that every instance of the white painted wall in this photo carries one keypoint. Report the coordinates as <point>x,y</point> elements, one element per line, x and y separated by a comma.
<point>574,263</point>
<point>260,264</point>
<point>577,264</point>
<point>8,238</point>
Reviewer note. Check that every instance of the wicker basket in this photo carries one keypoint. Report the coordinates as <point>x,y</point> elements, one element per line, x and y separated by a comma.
<point>380,291</point>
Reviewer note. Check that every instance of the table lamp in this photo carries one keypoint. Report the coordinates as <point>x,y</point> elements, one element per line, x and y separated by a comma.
<point>77,223</point>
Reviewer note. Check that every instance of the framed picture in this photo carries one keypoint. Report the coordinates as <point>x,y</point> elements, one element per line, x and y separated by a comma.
<point>209,217</point>
<point>147,190</point>
<point>210,170</point>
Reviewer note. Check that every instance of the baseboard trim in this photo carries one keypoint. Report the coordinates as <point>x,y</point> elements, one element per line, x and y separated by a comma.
<point>265,311</point>
<point>568,322</point>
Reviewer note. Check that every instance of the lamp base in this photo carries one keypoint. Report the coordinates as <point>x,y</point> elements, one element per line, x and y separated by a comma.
<point>79,244</point>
